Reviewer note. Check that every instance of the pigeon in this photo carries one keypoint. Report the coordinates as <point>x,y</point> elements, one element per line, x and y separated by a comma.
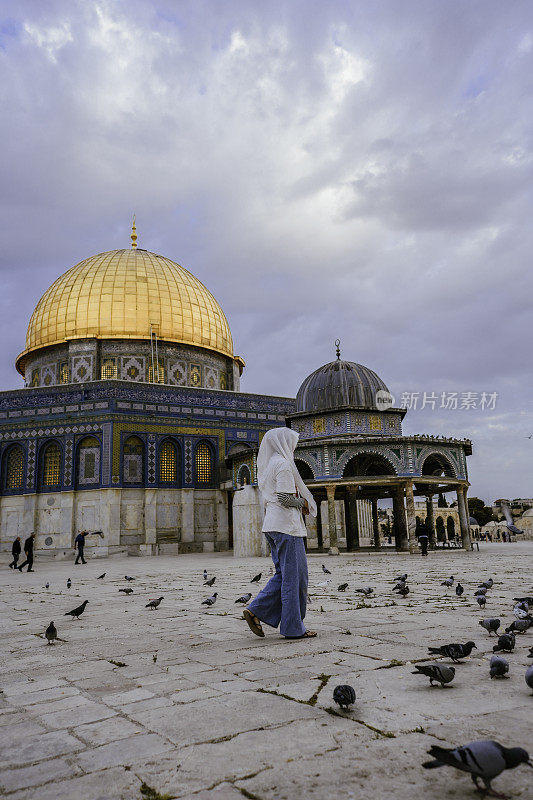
<point>205,574</point>
<point>399,585</point>
<point>51,633</point>
<point>128,578</point>
<point>521,610</point>
<point>505,642</point>
<point>210,600</point>
<point>77,612</point>
<point>529,676</point>
<point>519,625</point>
<point>99,578</point>
<point>491,624</point>
<point>256,578</point>
<point>486,584</point>
<point>528,600</point>
<point>499,667</point>
<point>344,696</point>
<point>245,598</point>
<point>459,590</point>
<point>323,584</point>
<point>69,583</point>
<point>404,591</point>
<point>127,590</point>
<point>479,592</point>
<point>47,586</point>
<point>211,581</point>
<point>435,672</point>
<point>153,604</point>
<point>342,587</point>
<point>530,654</point>
<point>483,759</point>
<point>325,571</point>
<point>454,651</point>
<point>366,590</point>
<point>448,582</point>
<point>481,601</point>
<point>401,578</point>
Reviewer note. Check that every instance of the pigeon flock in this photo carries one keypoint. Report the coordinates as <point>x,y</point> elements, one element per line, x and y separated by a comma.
<point>484,760</point>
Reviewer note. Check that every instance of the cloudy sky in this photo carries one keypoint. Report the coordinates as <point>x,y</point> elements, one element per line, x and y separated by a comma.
<point>359,169</point>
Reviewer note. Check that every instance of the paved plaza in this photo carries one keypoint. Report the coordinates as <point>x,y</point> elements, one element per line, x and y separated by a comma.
<point>185,702</point>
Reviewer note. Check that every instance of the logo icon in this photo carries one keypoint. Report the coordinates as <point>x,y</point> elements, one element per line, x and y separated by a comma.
<point>384,400</point>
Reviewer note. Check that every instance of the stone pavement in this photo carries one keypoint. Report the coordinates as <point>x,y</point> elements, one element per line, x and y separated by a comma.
<point>185,702</point>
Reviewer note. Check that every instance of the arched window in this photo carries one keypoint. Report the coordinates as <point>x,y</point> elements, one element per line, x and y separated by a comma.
<point>14,469</point>
<point>169,463</point>
<point>244,477</point>
<point>440,529</point>
<point>51,466</point>
<point>203,464</point>
<point>306,473</point>
<point>133,460</point>
<point>88,464</point>
<point>450,527</point>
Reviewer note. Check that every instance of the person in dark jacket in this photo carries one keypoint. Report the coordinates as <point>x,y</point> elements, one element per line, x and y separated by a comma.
<point>79,543</point>
<point>15,552</point>
<point>423,537</point>
<point>28,549</point>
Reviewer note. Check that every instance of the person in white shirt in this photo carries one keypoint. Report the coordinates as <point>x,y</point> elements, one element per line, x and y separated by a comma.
<point>286,501</point>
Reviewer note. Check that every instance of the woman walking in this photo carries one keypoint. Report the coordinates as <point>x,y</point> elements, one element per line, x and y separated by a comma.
<point>286,500</point>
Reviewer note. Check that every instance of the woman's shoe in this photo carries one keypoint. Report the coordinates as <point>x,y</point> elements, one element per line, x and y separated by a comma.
<point>253,623</point>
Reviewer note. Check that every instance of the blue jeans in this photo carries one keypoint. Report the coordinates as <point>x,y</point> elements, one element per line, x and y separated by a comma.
<point>283,601</point>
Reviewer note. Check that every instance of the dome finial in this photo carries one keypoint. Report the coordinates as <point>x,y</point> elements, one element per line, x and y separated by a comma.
<point>338,346</point>
<point>133,235</point>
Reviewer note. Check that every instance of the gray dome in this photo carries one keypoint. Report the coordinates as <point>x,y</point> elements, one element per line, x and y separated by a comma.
<point>340,383</point>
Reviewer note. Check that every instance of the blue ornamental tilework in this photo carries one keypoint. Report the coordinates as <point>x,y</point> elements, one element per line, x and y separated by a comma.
<point>30,474</point>
<point>151,459</point>
<point>106,453</point>
<point>68,479</point>
<point>56,430</point>
<point>188,461</point>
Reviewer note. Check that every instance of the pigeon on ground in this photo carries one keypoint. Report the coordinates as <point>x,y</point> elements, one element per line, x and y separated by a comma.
<point>99,578</point>
<point>323,584</point>
<point>499,667</point>
<point>342,587</point>
<point>127,590</point>
<point>256,578</point>
<point>483,759</point>
<point>77,612</point>
<point>366,590</point>
<point>51,633</point>
<point>448,582</point>
<point>325,571</point>
<point>245,598</point>
<point>521,610</point>
<point>399,585</point>
<point>454,651</point>
<point>128,578</point>
<point>528,600</point>
<point>486,584</point>
<point>491,624</point>
<point>435,672</point>
<point>344,696</point>
<point>530,654</point>
<point>210,600</point>
<point>211,581</point>
<point>481,601</point>
<point>459,590</point>
<point>404,591</point>
<point>47,586</point>
<point>479,592</point>
<point>506,642</point>
<point>205,574</point>
<point>520,625</point>
<point>69,583</point>
<point>529,676</point>
<point>153,604</point>
<point>402,578</point>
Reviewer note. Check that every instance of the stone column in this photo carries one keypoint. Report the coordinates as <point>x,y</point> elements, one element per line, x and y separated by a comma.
<point>400,525</point>
<point>187,515</point>
<point>375,525</point>
<point>332,522</point>
<point>352,536</point>
<point>247,522</point>
<point>319,537</point>
<point>463,517</point>
<point>411,516</point>
<point>430,521</point>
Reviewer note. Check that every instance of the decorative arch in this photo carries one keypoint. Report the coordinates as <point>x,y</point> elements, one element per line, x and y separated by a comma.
<point>450,527</point>
<point>368,462</point>
<point>204,464</point>
<point>238,447</point>
<point>14,469</point>
<point>304,468</point>
<point>435,463</point>
<point>88,460</point>
<point>133,461</point>
<point>50,466</point>
<point>244,476</point>
<point>440,529</point>
<point>169,463</point>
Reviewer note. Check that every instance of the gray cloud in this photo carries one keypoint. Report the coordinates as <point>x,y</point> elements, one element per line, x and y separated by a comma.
<point>341,169</point>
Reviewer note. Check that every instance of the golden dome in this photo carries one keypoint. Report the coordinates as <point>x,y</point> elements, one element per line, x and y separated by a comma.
<point>119,295</point>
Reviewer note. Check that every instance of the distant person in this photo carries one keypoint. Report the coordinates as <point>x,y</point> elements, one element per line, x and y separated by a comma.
<point>28,550</point>
<point>422,536</point>
<point>15,552</point>
<point>79,544</point>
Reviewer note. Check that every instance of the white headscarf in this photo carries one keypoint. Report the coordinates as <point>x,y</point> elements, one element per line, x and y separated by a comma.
<point>280,443</point>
